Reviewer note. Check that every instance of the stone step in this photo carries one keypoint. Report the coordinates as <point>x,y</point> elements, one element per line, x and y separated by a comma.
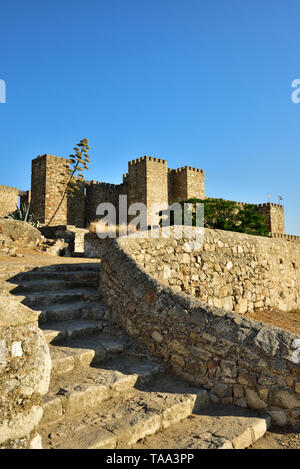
<point>84,351</point>
<point>55,275</point>
<point>57,332</point>
<point>22,287</point>
<point>214,427</point>
<point>7,276</point>
<point>74,310</point>
<point>72,267</point>
<point>120,423</point>
<point>86,387</point>
<point>37,300</point>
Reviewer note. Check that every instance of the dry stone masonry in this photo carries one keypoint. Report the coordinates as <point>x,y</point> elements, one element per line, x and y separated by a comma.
<point>238,360</point>
<point>9,197</point>
<point>228,270</point>
<point>25,367</point>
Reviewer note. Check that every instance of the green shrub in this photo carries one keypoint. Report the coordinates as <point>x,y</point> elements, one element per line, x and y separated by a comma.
<point>226,215</point>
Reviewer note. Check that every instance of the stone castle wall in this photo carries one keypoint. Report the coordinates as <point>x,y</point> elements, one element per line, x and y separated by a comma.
<point>148,181</point>
<point>238,360</point>
<point>25,197</point>
<point>137,181</point>
<point>9,198</point>
<point>234,271</point>
<point>38,188</point>
<point>101,192</point>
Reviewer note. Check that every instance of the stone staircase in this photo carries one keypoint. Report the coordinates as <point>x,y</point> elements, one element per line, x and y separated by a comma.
<point>106,391</point>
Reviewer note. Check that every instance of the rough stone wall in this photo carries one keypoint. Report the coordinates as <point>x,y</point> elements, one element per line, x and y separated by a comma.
<point>48,172</point>
<point>177,185</point>
<point>9,200</point>
<point>38,187</point>
<point>94,248</point>
<point>229,270</point>
<point>156,186</point>
<point>137,181</point>
<point>274,215</point>
<point>72,236</point>
<point>25,197</point>
<point>76,206</point>
<point>101,192</point>
<point>239,361</point>
<point>186,182</point>
<point>294,238</point>
<point>195,183</point>
<point>25,367</point>
<point>148,184</point>
<point>55,168</point>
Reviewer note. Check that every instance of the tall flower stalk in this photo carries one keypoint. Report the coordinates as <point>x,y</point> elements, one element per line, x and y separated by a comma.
<point>75,166</point>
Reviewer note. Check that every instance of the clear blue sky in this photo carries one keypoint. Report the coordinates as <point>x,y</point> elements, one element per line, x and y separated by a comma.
<point>199,83</point>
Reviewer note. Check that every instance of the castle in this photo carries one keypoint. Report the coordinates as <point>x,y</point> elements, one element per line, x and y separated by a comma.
<point>148,181</point>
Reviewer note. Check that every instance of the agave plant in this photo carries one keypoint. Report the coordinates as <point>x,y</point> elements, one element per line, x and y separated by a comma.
<point>22,213</point>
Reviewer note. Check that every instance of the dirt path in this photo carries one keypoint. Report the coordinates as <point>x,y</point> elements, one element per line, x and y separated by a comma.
<point>288,321</point>
<point>279,438</point>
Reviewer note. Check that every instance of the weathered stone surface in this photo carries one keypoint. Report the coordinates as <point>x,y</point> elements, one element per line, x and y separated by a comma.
<point>218,427</point>
<point>222,390</point>
<point>253,400</point>
<point>13,313</point>
<point>20,232</point>
<point>221,277</point>
<point>208,345</point>
<point>267,341</point>
<point>278,417</point>
<point>24,371</point>
<point>36,442</point>
<point>21,425</point>
<point>157,337</point>
<point>284,399</point>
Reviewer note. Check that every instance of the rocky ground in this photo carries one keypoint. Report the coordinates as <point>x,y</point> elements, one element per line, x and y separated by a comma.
<point>279,438</point>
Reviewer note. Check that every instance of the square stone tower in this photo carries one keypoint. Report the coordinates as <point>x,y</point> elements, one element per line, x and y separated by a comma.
<point>148,183</point>
<point>48,172</point>
<point>186,183</point>
<point>274,215</point>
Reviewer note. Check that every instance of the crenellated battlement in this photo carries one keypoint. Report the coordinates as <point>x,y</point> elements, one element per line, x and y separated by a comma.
<point>270,204</point>
<point>185,168</point>
<point>104,184</point>
<point>148,181</point>
<point>147,158</point>
<point>287,237</point>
